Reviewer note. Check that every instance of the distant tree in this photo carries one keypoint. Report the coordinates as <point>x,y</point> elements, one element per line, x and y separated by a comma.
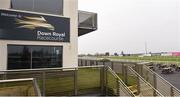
<point>89,54</point>
<point>122,53</point>
<point>116,54</point>
<point>107,54</point>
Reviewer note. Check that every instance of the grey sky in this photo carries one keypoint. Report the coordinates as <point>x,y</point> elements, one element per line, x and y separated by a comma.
<point>125,25</point>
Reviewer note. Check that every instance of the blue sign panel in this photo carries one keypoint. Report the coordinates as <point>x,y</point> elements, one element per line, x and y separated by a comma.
<point>17,25</point>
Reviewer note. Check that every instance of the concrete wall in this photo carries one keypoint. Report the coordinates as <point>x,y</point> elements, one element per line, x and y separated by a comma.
<point>70,50</point>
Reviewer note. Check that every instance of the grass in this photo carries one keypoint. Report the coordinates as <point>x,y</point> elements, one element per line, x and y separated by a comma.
<point>132,80</point>
<point>163,59</point>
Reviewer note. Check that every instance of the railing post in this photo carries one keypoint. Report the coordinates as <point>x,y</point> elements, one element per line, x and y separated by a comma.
<point>96,62</point>
<point>102,80</point>
<point>75,82</point>
<point>154,83</point>
<point>137,68</point>
<point>172,92</point>
<point>118,86</point>
<point>44,83</point>
<point>112,65</point>
<point>81,62</point>
<point>125,74</point>
<point>141,70</point>
<point>4,75</point>
<point>86,61</point>
<point>106,80</point>
<point>103,63</point>
<point>138,85</point>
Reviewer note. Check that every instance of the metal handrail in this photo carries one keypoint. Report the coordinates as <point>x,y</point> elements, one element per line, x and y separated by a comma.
<point>46,69</point>
<point>16,80</point>
<point>119,80</point>
<point>143,80</point>
<point>36,87</point>
<point>162,78</point>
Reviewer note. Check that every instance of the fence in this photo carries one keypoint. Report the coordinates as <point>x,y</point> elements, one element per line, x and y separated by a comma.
<point>89,80</point>
<point>142,86</point>
<point>19,87</point>
<point>158,82</point>
<point>116,85</point>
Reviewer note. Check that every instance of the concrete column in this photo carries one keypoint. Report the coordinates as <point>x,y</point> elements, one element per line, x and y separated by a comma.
<point>71,49</point>
<point>5,4</point>
<point>3,56</point>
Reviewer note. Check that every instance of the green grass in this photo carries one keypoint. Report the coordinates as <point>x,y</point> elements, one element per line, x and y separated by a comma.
<point>132,80</point>
<point>171,59</point>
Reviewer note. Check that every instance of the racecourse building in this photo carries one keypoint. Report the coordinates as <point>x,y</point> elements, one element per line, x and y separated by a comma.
<point>42,33</point>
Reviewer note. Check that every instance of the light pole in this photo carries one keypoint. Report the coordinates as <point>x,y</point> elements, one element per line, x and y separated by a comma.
<point>146,47</point>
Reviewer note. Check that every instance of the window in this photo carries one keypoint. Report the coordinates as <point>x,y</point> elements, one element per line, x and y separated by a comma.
<point>30,57</point>
<point>44,6</point>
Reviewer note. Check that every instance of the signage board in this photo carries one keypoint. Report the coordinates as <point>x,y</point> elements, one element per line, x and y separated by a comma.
<point>18,25</point>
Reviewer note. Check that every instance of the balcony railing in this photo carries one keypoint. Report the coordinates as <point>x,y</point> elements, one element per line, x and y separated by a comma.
<point>87,22</point>
<point>140,79</point>
<point>89,80</point>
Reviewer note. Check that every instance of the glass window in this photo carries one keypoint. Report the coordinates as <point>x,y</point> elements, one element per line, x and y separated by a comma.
<point>19,57</point>
<point>49,6</point>
<point>26,57</point>
<point>44,6</point>
<point>22,5</point>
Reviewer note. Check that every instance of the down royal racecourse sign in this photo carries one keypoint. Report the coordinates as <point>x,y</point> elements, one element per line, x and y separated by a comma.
<point>15,25</point>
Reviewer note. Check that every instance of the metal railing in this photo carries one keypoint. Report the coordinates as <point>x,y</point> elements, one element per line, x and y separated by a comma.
<point>158,84</point>
<point>86,80</point>
<point>116,85</point>
<point>87,20</point>
<point>143,87</point>
<point>19,87</point>
<point>166,88</point>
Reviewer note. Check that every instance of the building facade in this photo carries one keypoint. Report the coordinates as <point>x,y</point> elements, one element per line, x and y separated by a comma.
<point>41,33</point>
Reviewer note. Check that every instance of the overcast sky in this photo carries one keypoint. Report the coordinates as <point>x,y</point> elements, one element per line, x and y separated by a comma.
<point>125,25</point>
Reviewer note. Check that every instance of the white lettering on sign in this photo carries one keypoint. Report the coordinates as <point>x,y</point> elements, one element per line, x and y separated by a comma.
<point>39,33</point>
<point>59,34</point>
<point>50,36</point>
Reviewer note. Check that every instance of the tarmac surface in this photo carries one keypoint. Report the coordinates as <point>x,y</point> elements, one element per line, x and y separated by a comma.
<point>173,78</point>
